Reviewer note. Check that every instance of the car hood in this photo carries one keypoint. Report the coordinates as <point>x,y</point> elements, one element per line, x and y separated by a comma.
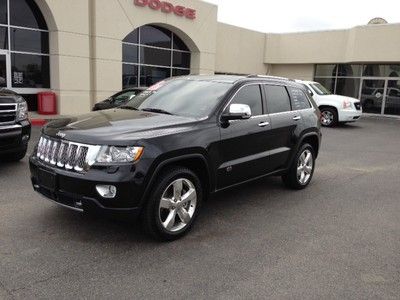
<point>339,98</point>
<point>116,126</point>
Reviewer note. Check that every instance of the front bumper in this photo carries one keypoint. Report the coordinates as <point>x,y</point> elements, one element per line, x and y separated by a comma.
<point>77,191</point>
<point>349,115</point>
<point>14,137</point>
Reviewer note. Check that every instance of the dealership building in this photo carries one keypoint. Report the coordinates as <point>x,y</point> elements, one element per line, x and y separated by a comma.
<point>86,50</point>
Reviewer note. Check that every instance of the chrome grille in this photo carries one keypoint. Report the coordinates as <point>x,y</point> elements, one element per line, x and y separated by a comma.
<point>8,113</point>
<point>68,155</point>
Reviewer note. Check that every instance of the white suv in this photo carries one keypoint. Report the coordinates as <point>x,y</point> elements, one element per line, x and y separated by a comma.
<point>334,108</point>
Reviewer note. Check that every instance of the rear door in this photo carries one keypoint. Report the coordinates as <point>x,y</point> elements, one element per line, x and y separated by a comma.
<point>244,143</point>
<point>284,123</point>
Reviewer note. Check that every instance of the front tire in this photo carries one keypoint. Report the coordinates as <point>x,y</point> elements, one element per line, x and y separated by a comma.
<point>329,117</point>
<point>301,171</point>
<point>173,205</point>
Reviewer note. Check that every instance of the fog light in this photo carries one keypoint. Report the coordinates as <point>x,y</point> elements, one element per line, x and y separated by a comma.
<point>25,138</point>
<point>106,191</point>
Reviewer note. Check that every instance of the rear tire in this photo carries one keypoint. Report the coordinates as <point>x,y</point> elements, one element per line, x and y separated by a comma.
<point>329,117</point>
<point>173,205</point>
<point>16,156</point>
<point>302,169</point>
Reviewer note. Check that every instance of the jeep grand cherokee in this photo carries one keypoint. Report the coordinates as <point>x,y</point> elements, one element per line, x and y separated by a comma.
<point>162,154</point>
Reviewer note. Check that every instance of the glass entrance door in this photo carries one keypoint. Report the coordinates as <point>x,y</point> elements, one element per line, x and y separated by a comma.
<point>372,95</point>
<point>392,100</point>
<point>381,96</point>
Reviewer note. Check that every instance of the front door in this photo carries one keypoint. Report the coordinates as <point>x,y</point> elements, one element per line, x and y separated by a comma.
<point>244,145</point>
<point>381,96</point>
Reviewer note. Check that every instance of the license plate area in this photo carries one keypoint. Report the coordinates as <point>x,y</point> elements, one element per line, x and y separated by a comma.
<point>47,179</point>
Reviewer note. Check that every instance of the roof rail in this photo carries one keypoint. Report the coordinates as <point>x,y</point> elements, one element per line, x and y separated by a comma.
<point>268,76</point>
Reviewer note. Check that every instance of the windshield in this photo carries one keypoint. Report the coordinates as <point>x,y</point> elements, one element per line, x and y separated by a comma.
<point>320,89</point>
<point>124,97</point>
<point>182,97</point>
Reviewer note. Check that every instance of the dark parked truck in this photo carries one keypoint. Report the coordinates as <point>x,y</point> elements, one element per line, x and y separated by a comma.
<point>15,128</point>
<point>163,153</point>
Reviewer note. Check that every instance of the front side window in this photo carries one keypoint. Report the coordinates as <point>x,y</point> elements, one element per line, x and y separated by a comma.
<point>182,97</point>
<point>299,99</point>
<point>121,98</point>
<point>250,95</point>
<point>277,99</point>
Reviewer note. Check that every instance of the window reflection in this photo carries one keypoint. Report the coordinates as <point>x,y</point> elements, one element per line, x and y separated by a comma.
<point>150,54</point>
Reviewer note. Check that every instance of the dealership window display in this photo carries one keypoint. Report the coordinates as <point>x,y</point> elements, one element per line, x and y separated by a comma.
<point>376,85</point>
<point>151,54</point>
<point>24,38</point>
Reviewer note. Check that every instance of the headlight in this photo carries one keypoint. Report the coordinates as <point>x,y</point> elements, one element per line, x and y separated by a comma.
<point>22,111</point>
<point>112,154</point>
<point>346,104</point>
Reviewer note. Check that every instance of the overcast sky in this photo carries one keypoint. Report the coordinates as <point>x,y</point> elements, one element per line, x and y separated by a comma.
<point>304,15</point>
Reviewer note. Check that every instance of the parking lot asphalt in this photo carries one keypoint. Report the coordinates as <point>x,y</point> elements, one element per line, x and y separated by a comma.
<point>338,239</point>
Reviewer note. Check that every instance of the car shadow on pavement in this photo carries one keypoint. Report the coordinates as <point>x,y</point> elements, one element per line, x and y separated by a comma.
<point>101,229</point>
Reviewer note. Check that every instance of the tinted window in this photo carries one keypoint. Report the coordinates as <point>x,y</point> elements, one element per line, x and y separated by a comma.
<point>3,38</point>
<point>299,99</point>
<point>3,11</point>
<point>153,56</point>
<point>133,37</point>
<point>191,98</point>
<point>29,40</point>
<point>180,72</point>
<point>152,75</point>
<point>181,60</point>
<point>250,95</point>
<point>31,71</point>
<point>130,53</point>
<point>179,44</point>
<point>129,76</point>
<point>277,99</point>
<point>26,13</point>
<point>155,36</point>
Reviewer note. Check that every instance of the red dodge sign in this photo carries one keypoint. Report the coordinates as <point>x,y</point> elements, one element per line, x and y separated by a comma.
<point>168,8</point>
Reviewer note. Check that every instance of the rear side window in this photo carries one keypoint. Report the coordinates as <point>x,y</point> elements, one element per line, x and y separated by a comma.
<point>250,95</point>
<point>277,99</point>
<point>299,99</point>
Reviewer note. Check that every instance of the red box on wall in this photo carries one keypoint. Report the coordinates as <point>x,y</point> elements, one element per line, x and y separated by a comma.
<point>47,103</point>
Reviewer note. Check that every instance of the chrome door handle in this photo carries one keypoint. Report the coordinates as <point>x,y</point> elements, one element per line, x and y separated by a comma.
<point>297,118</point>
<point>263,124</point>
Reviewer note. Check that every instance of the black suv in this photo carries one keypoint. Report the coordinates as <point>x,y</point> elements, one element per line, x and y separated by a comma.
<point>162,154</point>
<point>15,128</point>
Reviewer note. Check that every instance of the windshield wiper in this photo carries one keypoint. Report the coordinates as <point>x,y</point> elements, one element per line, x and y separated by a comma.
<point>127,107</point>
<point>157,110</point>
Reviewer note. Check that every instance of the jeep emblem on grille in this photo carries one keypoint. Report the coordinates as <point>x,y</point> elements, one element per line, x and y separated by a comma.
<point>60,134</point>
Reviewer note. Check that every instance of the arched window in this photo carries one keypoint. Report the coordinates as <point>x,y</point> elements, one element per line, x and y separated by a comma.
<point>151,54</point>
<point>24,46</point>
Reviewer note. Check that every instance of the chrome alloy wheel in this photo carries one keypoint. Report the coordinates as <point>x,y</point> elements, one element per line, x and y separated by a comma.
<point>178,205</point>
<point>327,118</point>
<point>305,167</point>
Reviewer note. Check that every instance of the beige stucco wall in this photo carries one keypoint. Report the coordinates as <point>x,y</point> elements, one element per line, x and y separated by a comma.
<point>86,44</point>
<point>239,50</point>
<point>298,71</point>
<point>372,43</point>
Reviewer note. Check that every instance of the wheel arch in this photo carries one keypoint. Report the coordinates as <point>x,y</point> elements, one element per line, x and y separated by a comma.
<point>196,162</point>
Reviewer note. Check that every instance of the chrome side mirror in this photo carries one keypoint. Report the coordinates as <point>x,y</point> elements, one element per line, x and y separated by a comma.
<point>237,112</point>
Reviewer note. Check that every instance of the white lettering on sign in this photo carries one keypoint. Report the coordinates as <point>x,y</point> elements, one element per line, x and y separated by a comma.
<point>18,77</point>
